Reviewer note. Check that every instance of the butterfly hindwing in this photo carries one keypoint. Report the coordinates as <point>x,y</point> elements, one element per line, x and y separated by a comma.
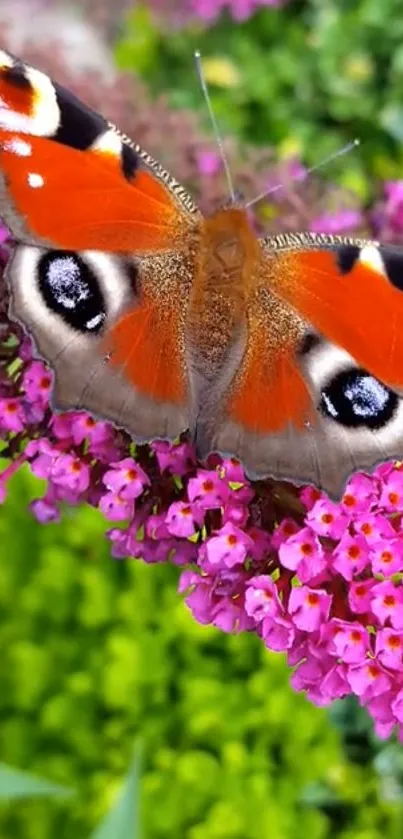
<point>70,180</point>
<point>107,338</point>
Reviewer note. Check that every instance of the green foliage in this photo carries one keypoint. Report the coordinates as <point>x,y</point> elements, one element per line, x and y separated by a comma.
<point>122,822</point>
<point>95,652</point>
<point>307,78</point>
<point>15,784</point>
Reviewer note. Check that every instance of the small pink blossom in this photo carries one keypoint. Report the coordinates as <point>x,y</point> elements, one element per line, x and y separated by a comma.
<point>368,680</point>
<point>349,641</point>
<point>303,553</point>
<point>127,478</point>
<point>374,527</point>
<point>359,494</point>
<point>309,607</point>
<point>278,634</point>
<point>391,498</point>
<point>208,490</point>
<point>261,598</point>
<point>360,597</point>
<point>351,556</point>
<point>389,648</point>
<point>229,547</point>
<point>387,603</point>
<point>70,472</point>
<point>183,519</point>
<point>116,508</point>
<point>37,382</point>
<point>12,416</point>
<point>387,556</point>
<point>327,519</point>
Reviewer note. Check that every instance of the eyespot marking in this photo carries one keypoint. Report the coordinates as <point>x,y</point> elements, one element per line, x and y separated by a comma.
<point>354,399</point>
<point>71,290</point>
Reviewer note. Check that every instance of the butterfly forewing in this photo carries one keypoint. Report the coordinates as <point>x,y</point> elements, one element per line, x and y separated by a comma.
<point>89,206</point>
<point>70,180</point>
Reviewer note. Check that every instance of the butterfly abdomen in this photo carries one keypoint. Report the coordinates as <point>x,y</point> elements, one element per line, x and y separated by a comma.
<point>226,272</point>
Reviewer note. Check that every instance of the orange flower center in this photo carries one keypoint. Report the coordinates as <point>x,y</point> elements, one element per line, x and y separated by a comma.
<point>389,600</point>
<point>312,599</point>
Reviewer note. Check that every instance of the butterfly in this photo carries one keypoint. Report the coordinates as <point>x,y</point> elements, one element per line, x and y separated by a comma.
<point>285,352</point>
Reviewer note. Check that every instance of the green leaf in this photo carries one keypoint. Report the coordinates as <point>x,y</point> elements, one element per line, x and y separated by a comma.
<point>123,822</point>
<point>16,784</point>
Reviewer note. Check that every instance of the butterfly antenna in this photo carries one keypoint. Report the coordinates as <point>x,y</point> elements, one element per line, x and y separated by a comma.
<point>352,145</point>
<point>213,121</point>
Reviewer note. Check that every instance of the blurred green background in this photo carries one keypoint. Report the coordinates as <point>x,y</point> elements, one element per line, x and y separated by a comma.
<point>95,652</point>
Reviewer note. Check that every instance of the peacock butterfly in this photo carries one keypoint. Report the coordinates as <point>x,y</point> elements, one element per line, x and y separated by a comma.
<point>285,351</point>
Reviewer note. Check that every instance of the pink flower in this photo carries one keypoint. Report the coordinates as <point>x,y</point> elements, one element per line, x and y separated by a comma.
<point>279,634</point>
<point>387,604</point>
<point>309,607</point>
<point>359,494</point>
<point>349,641</point>
<point>12,416</point>
<point>350,556</point>
<point>303,553</point>
<point>208,490</point>
<point>208,163</point>
<point>387,556</point>
<point>183,519</point>
<point>374,527</point>
<point>341,222</point>
<point>116,508</point>
<point>177,459</point>
<point>261,598</point>
<point>229,547</point>
<point>127,478</point>
<point>392,492</point>
<point>37,382</point>
<point>70,472</point>
<point>389,648</point>
<point>368,680</point>
<point>360,597</point>
<point>327,519</point>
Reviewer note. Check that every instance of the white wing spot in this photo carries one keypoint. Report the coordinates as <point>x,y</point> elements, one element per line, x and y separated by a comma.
<point>35,180</point>
<point>371,257</point>
<point>19,147</point>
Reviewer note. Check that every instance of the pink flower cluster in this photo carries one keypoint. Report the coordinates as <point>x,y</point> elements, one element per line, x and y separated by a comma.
<point>318,580</point>
<point>209,10</point>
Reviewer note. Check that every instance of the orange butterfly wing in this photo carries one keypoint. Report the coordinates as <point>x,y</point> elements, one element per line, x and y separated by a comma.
<point>69,181</point>
<point>316,391</point>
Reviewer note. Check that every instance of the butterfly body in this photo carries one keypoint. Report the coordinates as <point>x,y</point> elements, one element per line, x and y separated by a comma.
<point>286,351</point>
